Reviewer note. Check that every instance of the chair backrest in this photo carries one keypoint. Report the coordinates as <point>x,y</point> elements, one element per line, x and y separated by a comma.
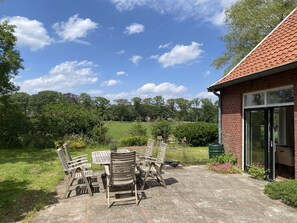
<point>63,160</point>
<point>122,167</point>
<point>161,152</point>
<point>149,148</point>
<point>67,152</point>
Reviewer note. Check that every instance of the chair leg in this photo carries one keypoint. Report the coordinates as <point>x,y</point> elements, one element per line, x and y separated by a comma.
<point>69,185</point>
<point>107,194</point>
<point>145,177</point>
<point>159,176</point>
<point>136,194</point>
<point>87,183</point>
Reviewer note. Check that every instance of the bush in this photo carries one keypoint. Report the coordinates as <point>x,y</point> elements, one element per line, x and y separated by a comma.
<point>257,172</point>
<point>161,128</point>
<point>197,134</point>
<point>225,168</point>
<point>286,191</point>
<point>225,158</point>
<point>138,130</point>
<point>133,141</point>
<point>99,134</point>
<point>224,164</point>
<point>73,141</point>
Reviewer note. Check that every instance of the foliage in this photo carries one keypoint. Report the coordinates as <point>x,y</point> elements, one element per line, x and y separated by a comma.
<point>10,60</point>
<point>133,141</point>
<point>258,173</point>
<point>225,168</point>
<point>138,130</point>
<point>73,141</point>
<point>14,124</point>
<point>249,21</point>
<point>99,134</point>
<point>225,163</point>
<point>38,101</point>
<point>284,190</point>
<point>197,134</point>
<point>224,158</point>
<point>161,128</point>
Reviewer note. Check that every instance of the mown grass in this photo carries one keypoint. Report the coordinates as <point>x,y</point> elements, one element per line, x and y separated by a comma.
<point>118,130</point>
<point>29,177</point>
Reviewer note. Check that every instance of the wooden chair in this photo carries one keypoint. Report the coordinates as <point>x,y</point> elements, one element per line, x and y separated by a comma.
<point>148,151</point>
<point>154,167</point>
<point>75,170</point>
<point>120,174</point>
<point>77,158</point>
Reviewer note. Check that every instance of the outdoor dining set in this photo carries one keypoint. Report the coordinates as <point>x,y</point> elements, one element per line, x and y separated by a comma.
<point>124,171</point>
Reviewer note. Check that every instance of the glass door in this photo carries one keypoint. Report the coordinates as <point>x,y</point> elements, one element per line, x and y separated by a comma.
<point>255,138</point>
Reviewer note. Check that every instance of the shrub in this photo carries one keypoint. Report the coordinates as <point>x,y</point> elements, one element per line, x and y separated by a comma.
<point>258,173</point>
<point>73,141</point>
<point>133,141</point>
<point>224,164</point>
<point>283,190</point>
<point>99,134</point>
<point>225,168</point>
<point>225,158</point>
<point>197,134</point>
<point>161,128</point>
<point>138,130</point>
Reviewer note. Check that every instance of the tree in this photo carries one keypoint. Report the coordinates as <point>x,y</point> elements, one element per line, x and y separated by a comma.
<point>209,111</point>
<point>10,60</point>
<point>249,21</point>
<point>86,100</point>
<point>21,99</point>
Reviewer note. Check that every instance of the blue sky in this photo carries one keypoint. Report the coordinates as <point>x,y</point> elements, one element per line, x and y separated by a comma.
<point>118,48</point>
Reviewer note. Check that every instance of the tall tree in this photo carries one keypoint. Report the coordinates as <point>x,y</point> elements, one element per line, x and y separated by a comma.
<point>249,21</point>
<point>10,60</point>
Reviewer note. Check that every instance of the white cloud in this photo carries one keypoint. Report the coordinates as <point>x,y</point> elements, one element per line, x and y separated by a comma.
<point>111,82</point>
<point>166,45</point>
<point>29,33</point>
<point>207,73</point>
<point>94,92</point>
<point>180,54</point>
<point>202,10</point>
<point>122,73</point>
<point>206,94</point>
<point>154,57</point>
<point>162,88</point>
<point>121,52</point>
<point>62,77</point>
<point>74,29</point>
<point>136,59</point>
<point>134,28</point>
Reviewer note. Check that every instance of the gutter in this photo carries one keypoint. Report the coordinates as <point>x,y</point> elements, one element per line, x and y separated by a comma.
<point>264,73</point>
<point>219,115</point>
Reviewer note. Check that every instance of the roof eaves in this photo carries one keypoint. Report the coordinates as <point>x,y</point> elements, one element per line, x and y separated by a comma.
<point>264,73</point>
<point>254,48</point>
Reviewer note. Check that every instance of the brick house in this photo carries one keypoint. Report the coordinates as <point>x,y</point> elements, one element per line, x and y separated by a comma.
<point>258,104</point>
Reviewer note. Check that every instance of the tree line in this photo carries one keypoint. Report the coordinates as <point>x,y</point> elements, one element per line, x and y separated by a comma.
<point>136,109</point>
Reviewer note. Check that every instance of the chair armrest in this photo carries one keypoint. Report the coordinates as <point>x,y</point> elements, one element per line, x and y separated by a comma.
<point>77,163</point>
<point>83,156</point>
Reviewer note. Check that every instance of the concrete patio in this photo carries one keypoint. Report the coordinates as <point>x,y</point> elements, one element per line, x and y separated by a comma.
<point>194,194</point>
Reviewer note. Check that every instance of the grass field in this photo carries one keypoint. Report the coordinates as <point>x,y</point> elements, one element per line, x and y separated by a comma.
<point>29,177</point>
<point>121,129</point>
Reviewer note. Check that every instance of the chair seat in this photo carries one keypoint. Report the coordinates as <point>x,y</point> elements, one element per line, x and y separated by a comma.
<point>88,173</point>
<point>122,182</point>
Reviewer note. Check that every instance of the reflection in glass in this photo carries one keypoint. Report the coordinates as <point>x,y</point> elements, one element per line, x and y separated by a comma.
<point>280,96</point>
<point>254,99</point>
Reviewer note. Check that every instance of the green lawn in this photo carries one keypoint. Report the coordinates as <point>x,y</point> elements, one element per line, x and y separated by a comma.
<point>121,129</point>
<point>28,177</point>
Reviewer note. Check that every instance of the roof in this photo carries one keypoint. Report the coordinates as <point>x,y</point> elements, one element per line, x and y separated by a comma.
<point>277,51</point>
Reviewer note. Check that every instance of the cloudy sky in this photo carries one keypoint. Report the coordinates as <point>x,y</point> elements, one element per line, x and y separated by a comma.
<point>118,48</point>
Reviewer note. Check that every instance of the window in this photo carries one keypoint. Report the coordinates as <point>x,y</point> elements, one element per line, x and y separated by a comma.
<point>254,99</point>
<point>273,97</point>
<point>280,96</point>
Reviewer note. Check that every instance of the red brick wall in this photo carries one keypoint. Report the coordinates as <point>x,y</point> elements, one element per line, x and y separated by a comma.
<point>232,109</point>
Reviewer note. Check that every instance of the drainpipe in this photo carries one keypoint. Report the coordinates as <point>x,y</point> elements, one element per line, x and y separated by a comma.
<point>219,115</point>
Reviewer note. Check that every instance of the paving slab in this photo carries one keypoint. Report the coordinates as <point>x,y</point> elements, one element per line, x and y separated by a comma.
<point>193,194</point>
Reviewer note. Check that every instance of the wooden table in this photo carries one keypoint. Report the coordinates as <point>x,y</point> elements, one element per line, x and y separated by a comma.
<point>103,157</point>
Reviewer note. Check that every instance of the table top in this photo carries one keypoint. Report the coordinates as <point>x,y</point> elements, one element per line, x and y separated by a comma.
<point>103,157</point>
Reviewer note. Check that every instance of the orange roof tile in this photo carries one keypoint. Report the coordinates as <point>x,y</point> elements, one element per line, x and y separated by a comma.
<point>277,49</point>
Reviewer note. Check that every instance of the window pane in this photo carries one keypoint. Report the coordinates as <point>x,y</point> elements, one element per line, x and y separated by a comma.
<point>254,99</point>
<point>280,96</point>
